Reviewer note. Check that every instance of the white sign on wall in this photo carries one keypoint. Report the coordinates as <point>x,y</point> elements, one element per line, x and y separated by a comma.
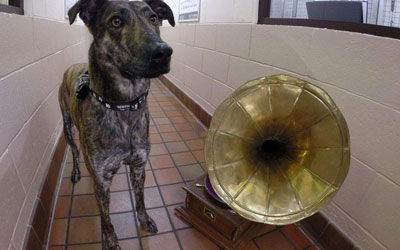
<point>189,10</point>
<point>68,5</point>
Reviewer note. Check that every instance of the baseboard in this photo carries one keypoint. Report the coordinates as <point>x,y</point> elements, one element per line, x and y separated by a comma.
<point>325,234</point>
<point>37,233</point>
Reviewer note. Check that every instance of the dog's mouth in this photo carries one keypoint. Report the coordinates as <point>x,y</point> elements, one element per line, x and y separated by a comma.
<point>150,72</point>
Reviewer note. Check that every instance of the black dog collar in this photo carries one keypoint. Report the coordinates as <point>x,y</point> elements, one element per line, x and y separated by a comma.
<point>83,90</point>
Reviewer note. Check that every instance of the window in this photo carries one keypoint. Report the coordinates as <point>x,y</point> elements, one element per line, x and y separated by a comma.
<point>12,6</point>
<point>375,17</point>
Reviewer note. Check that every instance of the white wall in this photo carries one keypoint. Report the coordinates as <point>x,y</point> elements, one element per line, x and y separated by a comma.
<point>360,72</point>
<point>35,52</point>
<point>222,11</point>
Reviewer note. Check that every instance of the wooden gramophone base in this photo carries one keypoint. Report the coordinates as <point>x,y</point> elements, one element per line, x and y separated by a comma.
<point>216,221</point>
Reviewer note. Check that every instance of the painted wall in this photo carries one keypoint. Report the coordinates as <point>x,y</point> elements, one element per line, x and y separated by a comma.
<point>222,11</point>
<point>35,52</point>
<point>360,72</point>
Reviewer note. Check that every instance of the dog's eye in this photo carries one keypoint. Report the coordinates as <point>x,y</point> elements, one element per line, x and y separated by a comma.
<point>116,22</point>
<point>153,20</point>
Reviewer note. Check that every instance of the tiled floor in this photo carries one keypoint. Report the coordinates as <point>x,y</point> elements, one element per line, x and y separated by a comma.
<point>176,158</point>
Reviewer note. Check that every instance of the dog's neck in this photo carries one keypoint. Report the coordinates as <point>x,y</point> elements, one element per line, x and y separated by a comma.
<point>107,81</point>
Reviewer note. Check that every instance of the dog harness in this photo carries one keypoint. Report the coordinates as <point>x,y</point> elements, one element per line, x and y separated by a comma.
<point>84,90</point>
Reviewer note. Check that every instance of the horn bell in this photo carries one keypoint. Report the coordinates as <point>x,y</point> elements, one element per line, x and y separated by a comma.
<point>277,150</point>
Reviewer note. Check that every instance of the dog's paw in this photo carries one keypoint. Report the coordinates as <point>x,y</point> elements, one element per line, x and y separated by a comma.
<point>149,225</point>
<point>75,177</point>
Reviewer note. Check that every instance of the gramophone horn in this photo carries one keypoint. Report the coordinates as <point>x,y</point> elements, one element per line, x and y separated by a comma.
<point>277,150</point>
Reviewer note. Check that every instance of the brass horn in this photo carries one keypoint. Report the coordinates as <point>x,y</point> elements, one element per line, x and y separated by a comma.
<point>277,150</point>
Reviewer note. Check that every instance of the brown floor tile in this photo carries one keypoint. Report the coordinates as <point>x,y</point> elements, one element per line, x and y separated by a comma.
<point>147,166</point>
<point>189,135</point>
<point>166,128</point>
<point>199,154</point>
<point>176,147</point>
<point>191,172</point>
<point>173,113</point>
<point>119,183</point>
<point>165,241</point>
<point>158,149</point>
<point>84,230</point>
<point>178,222</point>
<point>62,207</point>
<point>96,246</point>
<point>158,114</point>
<point>155,109</point>
<point>54,248</point>
<point>170,137</point>
<point>167,176</point>
<point>155,138</point>
<point>171,108</point>
<point>264,228</point>
<point>296,236</point>
<point>274,240</point>
<point>161,161</point>
<point>197,144</point>
<point>131,244</point>
<point>165,103</point>
<point>191,239</point>
<point>84,205</point>
<point>58,232</point>
<point>173,194</point>
<point>250,246</point>
<point>152,197</point>
<point>159,215</point>
<point>183,127</point>
<point>84,186</point>
<point>153,129</point>
<point>149,180</point>
<point>120,202</point>
<point>160,121</point>
<point>124,225</point>
<point>177,119</point>
<point>185,158</point>
<point>65,187</point>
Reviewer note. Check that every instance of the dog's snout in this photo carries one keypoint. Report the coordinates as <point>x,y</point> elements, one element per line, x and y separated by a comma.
<point>162,53</point>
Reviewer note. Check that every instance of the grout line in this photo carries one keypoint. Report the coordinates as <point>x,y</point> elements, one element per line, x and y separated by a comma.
<point>163,201</point>
<point>139,236</point>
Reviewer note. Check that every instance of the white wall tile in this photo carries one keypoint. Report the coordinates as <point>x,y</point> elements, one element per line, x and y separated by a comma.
<point>43,35</point>
<point>355,187</point>
<point>233,39</point>
<point>379,212</point>
<point>12,111</point>
<point>193,57</point>
<point>243,11</point>
<point>178,51</point>
<point>187,33</point>
<point>216,65</point>
<point>206,36</point>
<point>16,43</point>
<point>374,131</point>
<point>12,195</point>
<point>219,11</point>
<point>351,228</point>
<point>219,93</point>
<point>274,46</point>
<point>364,64</point>
<point>242,71</point>
<point>199,83</point>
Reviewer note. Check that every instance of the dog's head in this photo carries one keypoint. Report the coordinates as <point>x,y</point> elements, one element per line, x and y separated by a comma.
<point>127,34</point>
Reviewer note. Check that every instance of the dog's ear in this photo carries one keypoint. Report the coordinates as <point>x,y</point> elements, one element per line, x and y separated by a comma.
<point>87,10</point>
<point>162,10</point>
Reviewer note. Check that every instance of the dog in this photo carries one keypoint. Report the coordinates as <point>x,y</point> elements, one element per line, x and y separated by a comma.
<point>108,105</point>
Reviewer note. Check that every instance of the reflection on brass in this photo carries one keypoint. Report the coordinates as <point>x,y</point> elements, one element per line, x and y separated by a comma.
<point>277,150</point>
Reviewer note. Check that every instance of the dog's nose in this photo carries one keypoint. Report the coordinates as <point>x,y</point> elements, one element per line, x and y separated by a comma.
<point>162,53</point>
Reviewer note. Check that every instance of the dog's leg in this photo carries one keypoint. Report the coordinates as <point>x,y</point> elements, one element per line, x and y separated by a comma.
<point>76,173</point>
<point>102,184</point>
<point>137,179</point>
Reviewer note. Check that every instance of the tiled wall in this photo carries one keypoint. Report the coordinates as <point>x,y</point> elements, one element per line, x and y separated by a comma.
<point>34,54</point>
<point>360,72</point>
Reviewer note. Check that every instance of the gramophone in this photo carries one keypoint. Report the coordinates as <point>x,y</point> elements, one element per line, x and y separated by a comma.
<point>277,151</point>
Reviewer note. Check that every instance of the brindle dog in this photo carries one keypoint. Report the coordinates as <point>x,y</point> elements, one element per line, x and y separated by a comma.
<point>126,51</point>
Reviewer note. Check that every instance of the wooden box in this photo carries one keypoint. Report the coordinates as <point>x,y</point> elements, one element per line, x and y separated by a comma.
<point>216,221</point>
